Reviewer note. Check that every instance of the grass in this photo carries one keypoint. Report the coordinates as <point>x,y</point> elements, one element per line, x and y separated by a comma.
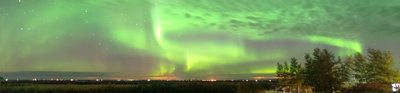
<point>147,87</point>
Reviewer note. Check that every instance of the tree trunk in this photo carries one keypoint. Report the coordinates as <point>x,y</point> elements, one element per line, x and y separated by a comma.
<point>298,89</point>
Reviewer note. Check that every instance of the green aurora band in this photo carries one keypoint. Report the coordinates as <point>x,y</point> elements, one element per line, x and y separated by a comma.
<point>190,37</point>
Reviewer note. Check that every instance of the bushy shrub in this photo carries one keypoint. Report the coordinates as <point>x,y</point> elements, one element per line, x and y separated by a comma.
<point>373,87</point>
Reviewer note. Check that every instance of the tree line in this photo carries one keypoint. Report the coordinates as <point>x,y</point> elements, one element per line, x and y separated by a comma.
<point>324,72</point>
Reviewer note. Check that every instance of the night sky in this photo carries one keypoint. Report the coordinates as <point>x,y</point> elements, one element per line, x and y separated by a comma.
<point>188,38</point>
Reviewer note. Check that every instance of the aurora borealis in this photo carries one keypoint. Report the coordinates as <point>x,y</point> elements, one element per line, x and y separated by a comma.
<point>187,37</point>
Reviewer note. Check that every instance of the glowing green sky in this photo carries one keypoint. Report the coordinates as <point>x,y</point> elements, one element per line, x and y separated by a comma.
<point>187,37</point>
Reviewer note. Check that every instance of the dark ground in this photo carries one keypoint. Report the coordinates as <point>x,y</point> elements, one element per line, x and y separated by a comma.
<point>134,87</point>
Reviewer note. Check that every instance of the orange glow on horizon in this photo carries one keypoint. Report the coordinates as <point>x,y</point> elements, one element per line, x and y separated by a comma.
<point>267,77</point>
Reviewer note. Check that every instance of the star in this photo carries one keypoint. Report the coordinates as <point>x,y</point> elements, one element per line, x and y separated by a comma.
<point>19,1</point>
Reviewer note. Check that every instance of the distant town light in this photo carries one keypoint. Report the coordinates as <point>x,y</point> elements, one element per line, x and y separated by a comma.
<point>6,79</point>
<point>97,80</point>
<point>34,79</point>
<point>148,80</point>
